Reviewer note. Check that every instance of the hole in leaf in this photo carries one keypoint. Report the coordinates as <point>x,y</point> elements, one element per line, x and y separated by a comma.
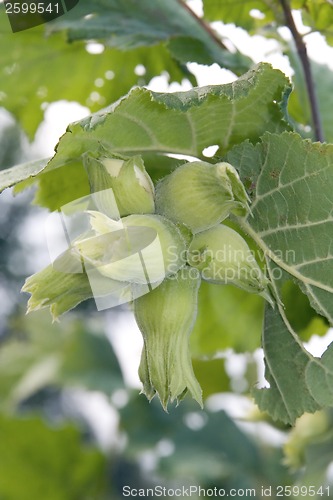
<point>182,157</point>
<point>210,151</point>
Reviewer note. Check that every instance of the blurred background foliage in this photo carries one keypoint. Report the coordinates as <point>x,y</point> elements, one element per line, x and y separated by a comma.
<point>71,428</point>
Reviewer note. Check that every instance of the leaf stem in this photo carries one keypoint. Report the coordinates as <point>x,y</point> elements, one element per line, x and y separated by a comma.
<point>303,55</point>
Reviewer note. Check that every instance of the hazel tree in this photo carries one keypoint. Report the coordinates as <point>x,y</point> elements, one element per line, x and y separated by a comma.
<point>185,240</point>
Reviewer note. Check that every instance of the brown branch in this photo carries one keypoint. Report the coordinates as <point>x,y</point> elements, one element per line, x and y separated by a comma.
<point>204,25</point>
<point>303,55</point>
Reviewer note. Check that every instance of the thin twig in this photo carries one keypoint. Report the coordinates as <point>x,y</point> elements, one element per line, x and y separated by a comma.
<point>303,55</point>
<point>204,25</point>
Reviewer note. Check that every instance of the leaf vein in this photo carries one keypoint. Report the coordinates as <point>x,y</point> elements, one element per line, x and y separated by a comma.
<point>142,125</point>
<point>291,227</point>
<point>278,188</point>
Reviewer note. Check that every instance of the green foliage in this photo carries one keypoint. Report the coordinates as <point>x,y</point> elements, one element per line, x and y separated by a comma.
<point>38,67</point>
<point>76,474</point>
<point>298,105</point>
<point>211,375</point>
<point>220,325</point>
<point>239,13</point>
<point>287,178</point>
<point>284,355</point>
<point>318,14</point>
<point>310,445</point>
<point>216,451</point>
<point>131,24</point>
<point>183,123</point>
<point>74,353</point>
<point>282,170</point>
<point>301,316</point>
<point>11,176</point>
<point>291,173</point>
